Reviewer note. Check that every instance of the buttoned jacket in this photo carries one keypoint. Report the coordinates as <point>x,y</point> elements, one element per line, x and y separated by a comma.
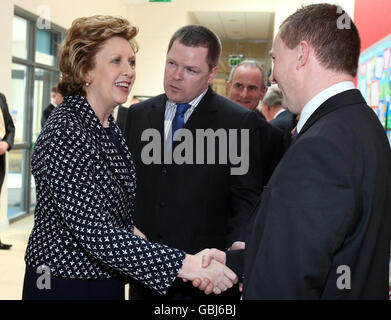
<point>85,195</point>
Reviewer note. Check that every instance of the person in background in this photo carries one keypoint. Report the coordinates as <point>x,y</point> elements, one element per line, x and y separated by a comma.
<point>55,99</point>
<point>191,206</point>
<point>322,229</point>
<point>119,115</point>
<point>7,134</point>
<point>247,86</point>
<point>84,237</point>
<point>276,114</point>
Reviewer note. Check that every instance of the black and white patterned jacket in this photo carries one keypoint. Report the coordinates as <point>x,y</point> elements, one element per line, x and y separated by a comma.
<point>85,194</point>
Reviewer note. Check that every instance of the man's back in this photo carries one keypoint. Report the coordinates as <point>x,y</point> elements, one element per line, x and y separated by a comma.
<point>337,178</point>
<point>285,121</point>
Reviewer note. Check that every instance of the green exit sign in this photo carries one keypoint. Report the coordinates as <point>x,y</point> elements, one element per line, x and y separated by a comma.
<point>233,60</point>
<point>159,0</point>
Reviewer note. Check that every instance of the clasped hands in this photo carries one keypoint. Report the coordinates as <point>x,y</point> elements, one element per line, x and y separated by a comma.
<point>210,274</point>
<point>212,261</point>
<point>206,269</point>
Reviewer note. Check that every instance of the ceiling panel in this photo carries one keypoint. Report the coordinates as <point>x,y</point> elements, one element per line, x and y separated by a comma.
<point>239,25</point>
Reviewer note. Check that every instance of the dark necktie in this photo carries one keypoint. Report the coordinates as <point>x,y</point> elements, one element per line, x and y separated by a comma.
<point>179,119</point>
<point>294,135</point>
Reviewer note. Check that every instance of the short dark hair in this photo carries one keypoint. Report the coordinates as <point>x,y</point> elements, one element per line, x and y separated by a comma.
<point>199,36</point>
<point>337,48</point>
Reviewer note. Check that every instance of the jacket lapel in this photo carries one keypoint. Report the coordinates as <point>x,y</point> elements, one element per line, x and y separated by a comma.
<point>156,114</point>
<point>204,114</point>
<point>156,117</point>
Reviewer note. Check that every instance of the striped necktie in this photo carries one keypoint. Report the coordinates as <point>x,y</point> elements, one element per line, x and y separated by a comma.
<point>2,125</point>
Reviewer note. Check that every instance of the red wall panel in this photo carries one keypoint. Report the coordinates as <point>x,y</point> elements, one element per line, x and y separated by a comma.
<point>373,20</point>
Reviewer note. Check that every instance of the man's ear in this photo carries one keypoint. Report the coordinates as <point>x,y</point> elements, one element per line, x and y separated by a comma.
<point>264,92</point>
<point>228,87</point>
<point>303,51</point>
<point>213,74</point>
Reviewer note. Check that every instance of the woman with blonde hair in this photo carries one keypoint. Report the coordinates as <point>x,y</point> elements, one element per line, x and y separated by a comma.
<point>84,243</point>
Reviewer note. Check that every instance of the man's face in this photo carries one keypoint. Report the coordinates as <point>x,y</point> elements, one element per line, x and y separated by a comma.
<point>284,74</point>
<point>187,73</point>
<point>246,87</point>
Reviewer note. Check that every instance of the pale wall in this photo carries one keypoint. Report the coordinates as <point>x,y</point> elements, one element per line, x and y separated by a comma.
<point>157,22</point>
<point>64,12</point>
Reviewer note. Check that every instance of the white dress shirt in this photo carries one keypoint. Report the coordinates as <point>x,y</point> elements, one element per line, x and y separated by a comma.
<point>171,109</point>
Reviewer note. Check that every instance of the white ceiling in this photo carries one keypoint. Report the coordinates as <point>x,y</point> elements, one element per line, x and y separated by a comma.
<point>233,25</point>
<point>239,25</point>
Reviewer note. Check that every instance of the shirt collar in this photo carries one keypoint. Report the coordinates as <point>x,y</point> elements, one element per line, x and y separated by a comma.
<point>321,97</point>
<point>193,102</point>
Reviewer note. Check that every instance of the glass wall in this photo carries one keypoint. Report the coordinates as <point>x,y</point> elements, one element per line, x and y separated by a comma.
<point>34,73</point>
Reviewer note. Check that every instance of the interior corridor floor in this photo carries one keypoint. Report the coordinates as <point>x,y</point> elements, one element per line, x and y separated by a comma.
<point>12,261</point>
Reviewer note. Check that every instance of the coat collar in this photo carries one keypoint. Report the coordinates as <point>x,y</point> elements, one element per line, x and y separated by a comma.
<point>84,111</point>
<point>200,118</point>
<point>82,108</point>
<point>340,100</point>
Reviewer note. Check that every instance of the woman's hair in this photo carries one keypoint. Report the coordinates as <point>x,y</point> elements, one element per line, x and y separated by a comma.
<point>83,40</point>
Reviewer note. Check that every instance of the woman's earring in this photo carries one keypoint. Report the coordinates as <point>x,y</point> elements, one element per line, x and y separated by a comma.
<point>87,84</point>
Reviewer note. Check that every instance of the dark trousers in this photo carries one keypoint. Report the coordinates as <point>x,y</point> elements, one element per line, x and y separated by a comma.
<point>179,291</point>
<point>71,289</point>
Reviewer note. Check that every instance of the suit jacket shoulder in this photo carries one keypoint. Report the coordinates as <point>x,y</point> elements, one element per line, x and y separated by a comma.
<point>332,183</point>
<point>9,124</point>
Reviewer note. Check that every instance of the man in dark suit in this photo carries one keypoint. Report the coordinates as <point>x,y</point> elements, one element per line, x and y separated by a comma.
<point>120,114</point>
<point>55,99</point>
<point>322,229</point>
<point>247,86</point>
<point>276,114</point>
<point>197,204</point>
<point>7,134</point>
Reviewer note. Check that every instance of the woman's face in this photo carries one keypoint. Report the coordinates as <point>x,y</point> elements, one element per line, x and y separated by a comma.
<point>112,78</point>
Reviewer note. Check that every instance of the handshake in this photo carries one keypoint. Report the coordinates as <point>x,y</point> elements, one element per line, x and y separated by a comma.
<point>207,270</point>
